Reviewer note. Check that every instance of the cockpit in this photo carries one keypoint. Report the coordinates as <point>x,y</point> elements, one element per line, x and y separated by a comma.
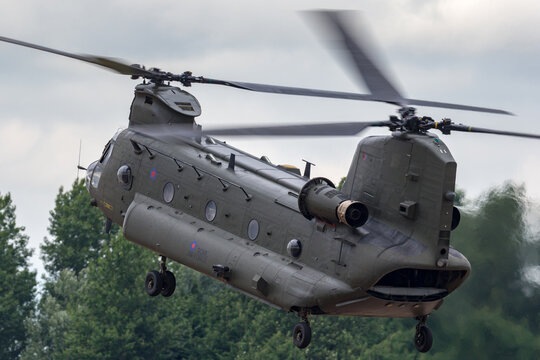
<point>93,174</point>
<point>94,171</point>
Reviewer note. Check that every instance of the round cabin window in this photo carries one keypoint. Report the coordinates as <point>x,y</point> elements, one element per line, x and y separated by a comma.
<point>253,229</point>
<point>168,192</point>
<point>294,248</point>
<point>124,177</point>
<point>211,210</point>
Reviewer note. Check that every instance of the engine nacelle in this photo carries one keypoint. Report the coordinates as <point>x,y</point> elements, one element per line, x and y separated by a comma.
<point>319,198</point>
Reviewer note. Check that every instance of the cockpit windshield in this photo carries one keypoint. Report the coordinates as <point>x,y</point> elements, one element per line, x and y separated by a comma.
<point>96,176</point>
<point>93,173</point>
<point>89,173</point>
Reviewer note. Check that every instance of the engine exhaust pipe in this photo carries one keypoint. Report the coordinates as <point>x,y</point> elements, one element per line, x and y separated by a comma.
<point>320,199</point>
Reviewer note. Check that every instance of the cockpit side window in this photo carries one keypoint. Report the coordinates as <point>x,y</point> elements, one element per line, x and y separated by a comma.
<point>106,152</point>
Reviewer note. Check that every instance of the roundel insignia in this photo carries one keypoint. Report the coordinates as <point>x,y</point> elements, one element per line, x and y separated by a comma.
<point>193,245</point>
<point>153,174</point>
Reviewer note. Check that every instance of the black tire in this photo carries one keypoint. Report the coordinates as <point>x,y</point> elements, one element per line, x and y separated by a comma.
<point>302,335</point>
<point>153,283</point>
<point>423,339</point>
<point>169,284</point>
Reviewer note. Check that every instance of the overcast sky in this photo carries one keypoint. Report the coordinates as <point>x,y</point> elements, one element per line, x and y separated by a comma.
<point>484,53</point>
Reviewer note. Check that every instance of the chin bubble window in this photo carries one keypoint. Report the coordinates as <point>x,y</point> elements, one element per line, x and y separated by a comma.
<point>253,229</point>
<point>210,211</point>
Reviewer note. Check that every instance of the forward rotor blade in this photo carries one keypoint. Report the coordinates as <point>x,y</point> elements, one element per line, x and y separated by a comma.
<point>465,128</point>
<point>169,132</point>
<point>115,65</point>
<point>287,90</point>
<point>326,129</point>
<point>377,83</point>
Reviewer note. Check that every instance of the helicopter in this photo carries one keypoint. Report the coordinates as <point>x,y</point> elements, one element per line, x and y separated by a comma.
<point>378,247</point>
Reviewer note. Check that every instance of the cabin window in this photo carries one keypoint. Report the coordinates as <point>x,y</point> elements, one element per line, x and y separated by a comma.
<point>253,229</point>
<point>294,248</point>
<point>168,192</point>
<point>211,210</point>
<point>124,177</point>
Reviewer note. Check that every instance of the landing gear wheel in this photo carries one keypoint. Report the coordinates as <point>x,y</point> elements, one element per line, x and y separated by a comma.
<point>302,335</point>
<point>423,339</point>
<point>153,283</point>
<point>169,284</point>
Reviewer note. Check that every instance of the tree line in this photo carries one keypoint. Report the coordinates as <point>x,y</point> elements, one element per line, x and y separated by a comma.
<point>93,305</point>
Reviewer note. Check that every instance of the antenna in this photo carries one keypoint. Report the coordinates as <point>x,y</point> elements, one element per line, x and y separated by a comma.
<point>79,167</point>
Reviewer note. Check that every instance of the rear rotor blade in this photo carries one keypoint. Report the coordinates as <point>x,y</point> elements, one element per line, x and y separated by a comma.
<point>377,83</point>
<point>465,128</point>
<point>456,106</point>
<point>115,65</point>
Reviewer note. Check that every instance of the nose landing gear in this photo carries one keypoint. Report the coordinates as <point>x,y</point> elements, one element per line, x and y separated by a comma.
<point>423,338</point>
<point>302,331</point>
<point>160,282</point>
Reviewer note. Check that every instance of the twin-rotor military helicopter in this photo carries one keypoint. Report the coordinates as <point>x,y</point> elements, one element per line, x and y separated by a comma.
<point>379,247</point>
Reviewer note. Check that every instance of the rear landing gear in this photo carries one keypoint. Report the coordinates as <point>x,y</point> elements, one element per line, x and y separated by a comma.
<point>302,331</point>
<point>423,338</point>
<point>160,282</point>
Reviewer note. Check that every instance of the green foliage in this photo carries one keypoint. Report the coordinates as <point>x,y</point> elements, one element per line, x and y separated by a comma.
<point>491,315</point>
<point>341,182</point>
<point>51,324</point>
<point>77,231</point>
<point>115,319</point>
<point>17,282</point>
<point>460,197</point>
